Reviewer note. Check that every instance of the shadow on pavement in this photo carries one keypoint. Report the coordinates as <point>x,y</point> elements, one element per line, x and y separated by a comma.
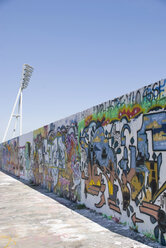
<point>98,218</point>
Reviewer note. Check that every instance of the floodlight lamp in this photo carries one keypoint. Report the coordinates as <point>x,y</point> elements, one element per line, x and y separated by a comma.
<point>26,75</point>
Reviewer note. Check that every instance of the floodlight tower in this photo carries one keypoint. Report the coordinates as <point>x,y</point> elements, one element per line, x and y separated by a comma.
<point>26,75</point>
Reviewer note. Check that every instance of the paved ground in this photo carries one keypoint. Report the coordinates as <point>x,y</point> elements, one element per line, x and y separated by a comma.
<point>31,217</point>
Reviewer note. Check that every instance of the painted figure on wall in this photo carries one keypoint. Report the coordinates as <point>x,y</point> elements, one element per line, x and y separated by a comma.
<point>56,158</point>
<point>122,163</point>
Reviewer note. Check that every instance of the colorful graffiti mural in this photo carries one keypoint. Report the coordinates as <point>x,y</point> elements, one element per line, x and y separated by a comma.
<point>110,157</point>
<point>51,159</point>
<point>9,156</point>
<point>122,149</point>
<point>56,160</point>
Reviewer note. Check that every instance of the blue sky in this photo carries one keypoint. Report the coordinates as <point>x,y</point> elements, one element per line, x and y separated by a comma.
<point>84,52</point>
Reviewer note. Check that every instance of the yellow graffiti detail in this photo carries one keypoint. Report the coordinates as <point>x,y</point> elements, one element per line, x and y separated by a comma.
<point>148,196</point>
<point>136,186</point>
<point>154,124</point>
<point>163,187</point>
<point>153,173</point>
<point>91,183</point>
<point>88,119</point>
<point>98,183</point>
<point>97,139</point>
<point>40,131</point>
<point>110,187</point>
<point>159,136</point>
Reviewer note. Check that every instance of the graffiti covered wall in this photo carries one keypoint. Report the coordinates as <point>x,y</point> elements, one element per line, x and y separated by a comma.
<point>110,157</point>
<point>48,156</point>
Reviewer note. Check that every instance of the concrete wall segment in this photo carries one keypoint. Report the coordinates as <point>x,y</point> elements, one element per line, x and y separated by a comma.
<point>111,157</point>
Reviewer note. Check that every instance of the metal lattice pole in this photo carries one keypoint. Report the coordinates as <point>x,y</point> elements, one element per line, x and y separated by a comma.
<point>26,75</point>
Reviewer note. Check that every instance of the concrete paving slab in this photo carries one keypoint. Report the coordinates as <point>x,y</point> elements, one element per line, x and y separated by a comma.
<point>30,219</point>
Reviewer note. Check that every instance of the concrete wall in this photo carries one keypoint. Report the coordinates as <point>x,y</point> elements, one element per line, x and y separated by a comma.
<point>110,157</point>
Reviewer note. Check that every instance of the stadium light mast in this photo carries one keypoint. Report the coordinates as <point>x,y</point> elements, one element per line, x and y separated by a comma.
<point>26,75</point>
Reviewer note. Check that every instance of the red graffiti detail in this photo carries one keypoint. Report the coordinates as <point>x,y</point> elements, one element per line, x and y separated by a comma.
<point>129,113</point>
